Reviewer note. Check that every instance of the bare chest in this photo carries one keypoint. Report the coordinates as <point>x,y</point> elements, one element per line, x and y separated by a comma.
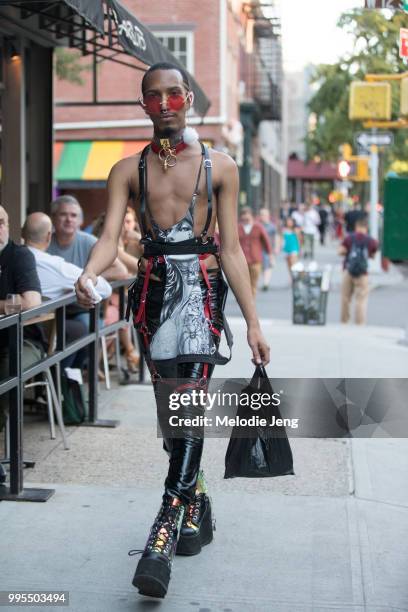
<point>170,193</point>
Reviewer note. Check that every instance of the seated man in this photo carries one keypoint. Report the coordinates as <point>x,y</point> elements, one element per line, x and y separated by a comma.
<point>57,277</point>
<point>18,276</point>
<point>69,242</point>
<point>75,246</point>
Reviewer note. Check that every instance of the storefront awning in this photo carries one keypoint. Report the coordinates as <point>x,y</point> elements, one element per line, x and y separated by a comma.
<point>52,13</point>
<point>89,160</point>
<point>139,41</point>
<point>91,10</point>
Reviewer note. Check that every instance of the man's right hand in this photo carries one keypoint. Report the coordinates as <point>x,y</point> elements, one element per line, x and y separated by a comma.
<point>84,296</point>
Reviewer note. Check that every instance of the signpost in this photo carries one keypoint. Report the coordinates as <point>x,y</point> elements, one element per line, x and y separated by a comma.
<point>365,139</point>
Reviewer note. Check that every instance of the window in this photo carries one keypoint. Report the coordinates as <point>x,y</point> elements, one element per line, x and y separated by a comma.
<point>180,44</point>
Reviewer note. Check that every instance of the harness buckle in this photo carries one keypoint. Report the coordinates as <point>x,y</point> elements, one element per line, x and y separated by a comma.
<point>207,163</point>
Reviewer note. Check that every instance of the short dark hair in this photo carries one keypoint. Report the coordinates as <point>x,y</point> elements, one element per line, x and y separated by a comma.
<point>165,66</point>
<point>362,221</point>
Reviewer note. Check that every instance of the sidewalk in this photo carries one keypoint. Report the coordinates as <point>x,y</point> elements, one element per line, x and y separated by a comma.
<point>333,537</point>
<point>327,254</point>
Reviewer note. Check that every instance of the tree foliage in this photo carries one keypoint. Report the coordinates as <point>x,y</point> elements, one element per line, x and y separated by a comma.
<point>68,66</point>
<point>375,50</point>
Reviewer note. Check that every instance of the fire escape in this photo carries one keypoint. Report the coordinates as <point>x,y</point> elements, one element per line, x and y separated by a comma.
<point>261,65</point>
<point>261,80</point>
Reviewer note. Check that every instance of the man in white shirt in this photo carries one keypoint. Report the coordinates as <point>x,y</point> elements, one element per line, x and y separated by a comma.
<point>311,222</point>
<point>57,276</point>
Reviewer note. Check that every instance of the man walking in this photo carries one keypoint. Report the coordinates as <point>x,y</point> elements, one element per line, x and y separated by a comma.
<point>254,242</point>
<point>268,260</point>
<point>311,221</point>
<point>180,293</point>
<point>357,247</point>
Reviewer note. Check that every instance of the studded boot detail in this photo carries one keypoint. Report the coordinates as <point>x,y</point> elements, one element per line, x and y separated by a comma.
<point>153,571</point>
<point>198,524</point>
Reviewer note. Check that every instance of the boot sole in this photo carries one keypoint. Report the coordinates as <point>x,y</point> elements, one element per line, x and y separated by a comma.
<point>191,545</point>
<point>151,578</point>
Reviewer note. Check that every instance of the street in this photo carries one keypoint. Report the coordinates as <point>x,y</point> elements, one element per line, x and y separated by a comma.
<point>297,543</point>
<point>387,305</point>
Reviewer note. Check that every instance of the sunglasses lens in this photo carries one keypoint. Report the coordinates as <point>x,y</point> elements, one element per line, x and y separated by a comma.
<point>176,102</point>
<point>152,104</point>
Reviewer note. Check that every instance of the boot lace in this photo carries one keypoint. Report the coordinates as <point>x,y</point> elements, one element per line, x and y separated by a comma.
<point>193,511</point>
<point>163,528</point>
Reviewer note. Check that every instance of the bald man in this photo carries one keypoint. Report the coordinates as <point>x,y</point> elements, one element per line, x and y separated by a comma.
<point>57,276</point>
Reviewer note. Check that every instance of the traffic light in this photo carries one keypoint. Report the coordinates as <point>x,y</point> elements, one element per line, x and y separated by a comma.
<point>354,169</point>
<point>404,97</point>
<point>346,150</point>
<point>343,169</point>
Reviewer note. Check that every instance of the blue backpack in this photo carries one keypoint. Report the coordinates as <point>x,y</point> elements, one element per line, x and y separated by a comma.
<point>357,259</point>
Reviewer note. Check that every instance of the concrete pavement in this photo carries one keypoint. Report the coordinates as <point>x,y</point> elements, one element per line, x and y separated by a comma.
<point>332,537</point>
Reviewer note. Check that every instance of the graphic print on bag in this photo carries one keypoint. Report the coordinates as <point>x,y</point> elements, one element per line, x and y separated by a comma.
<point>357,259</point>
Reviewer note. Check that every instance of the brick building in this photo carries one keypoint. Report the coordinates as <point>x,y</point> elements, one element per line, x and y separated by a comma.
<point>211,44</point>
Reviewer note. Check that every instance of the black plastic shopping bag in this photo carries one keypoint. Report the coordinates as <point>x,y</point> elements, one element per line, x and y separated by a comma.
<point>266,452</point>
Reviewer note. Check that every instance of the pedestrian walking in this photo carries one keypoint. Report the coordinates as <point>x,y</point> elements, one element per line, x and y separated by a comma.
<point>324,214</point>
<point>352,216</point>
<point>178,299</point>
<point>254,243</point>
<point>290,243</point>
<point>357,248</point>
<point>311,221</point>
<point>268,261</point>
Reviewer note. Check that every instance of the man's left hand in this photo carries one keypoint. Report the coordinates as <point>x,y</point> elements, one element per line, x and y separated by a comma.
<point>259,347</point>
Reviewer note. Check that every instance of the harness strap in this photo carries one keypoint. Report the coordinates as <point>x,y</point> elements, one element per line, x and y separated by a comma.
<point>141,314</point>
<point>208,176</point>
<point>143,184</point>
<point>207,304</point>
<point>142,188</point>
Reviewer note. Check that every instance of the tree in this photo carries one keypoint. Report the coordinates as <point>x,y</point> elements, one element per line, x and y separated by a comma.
<point>375,50</point>
<point>68,66</point>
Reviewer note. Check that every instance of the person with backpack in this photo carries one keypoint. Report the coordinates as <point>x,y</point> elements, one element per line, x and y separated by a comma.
<point>357,248</point>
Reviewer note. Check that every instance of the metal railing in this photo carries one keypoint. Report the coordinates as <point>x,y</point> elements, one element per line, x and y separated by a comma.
<point>14,383</point>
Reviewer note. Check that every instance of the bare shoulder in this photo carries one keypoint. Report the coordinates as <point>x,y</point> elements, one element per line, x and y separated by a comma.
<point>126,167</point>
<point>225,168</point>
<point>124,174</point>
<point>222,160</point>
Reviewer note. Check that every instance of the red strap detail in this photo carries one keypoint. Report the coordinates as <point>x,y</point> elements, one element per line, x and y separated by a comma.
<point>179,147</point>
<point>207,303</point>
<point>141,313</point>
<point>205,370</point>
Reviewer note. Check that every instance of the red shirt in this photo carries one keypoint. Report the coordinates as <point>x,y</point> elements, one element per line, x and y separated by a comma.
<point>372,244</point>
<point>254,243</point>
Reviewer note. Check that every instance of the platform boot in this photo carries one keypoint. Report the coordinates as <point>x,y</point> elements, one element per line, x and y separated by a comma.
<point>153,571</point>
<point>198,524</point>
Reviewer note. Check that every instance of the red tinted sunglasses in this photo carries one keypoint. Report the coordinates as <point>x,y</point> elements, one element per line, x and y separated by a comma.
<point>152,103</point>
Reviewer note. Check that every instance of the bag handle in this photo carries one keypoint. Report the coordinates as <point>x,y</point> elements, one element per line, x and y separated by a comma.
<point>259,373</point>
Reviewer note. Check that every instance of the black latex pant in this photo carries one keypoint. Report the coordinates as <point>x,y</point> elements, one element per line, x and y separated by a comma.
<point>184,452</point>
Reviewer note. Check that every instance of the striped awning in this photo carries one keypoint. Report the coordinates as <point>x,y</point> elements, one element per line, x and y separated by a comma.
<point>88,160</point>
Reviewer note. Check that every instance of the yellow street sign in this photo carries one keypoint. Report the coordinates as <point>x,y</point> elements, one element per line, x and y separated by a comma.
<point>369,101</point>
